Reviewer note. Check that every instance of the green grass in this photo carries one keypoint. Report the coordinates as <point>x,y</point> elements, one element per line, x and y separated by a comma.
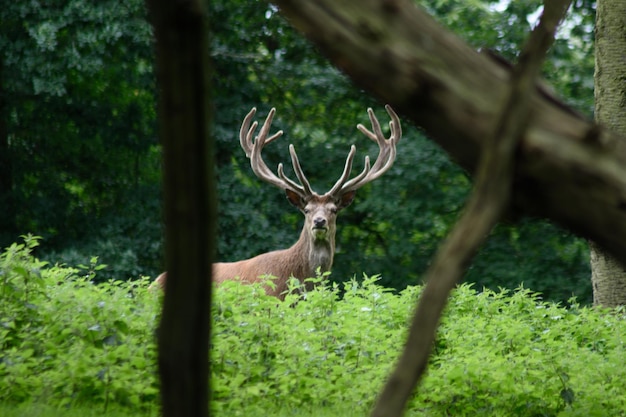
<point>42,410</point>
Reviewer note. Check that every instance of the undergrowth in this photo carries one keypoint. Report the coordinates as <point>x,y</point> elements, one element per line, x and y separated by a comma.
<point>69,343</point>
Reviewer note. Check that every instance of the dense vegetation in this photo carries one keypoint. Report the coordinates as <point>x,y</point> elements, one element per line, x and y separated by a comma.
<point>69,343</point>
<point>80,162</point>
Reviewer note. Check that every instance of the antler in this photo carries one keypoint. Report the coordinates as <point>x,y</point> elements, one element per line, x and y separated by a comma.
<point>260,168</point>
<point>384,161</point>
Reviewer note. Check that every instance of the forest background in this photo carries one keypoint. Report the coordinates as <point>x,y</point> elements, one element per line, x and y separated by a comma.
<point>80,163</point>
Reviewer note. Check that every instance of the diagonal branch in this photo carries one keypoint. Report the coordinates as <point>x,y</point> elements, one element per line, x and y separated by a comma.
<point>488,203</point>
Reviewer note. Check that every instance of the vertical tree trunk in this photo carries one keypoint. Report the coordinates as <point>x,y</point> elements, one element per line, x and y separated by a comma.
<point>607,275</point>
<point>190,209</point>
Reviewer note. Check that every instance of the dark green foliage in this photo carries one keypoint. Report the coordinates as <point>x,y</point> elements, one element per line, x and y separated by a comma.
<point>68,343</point>
<point>79,115</point>
<point>78,143</point>
<point>537,255</point>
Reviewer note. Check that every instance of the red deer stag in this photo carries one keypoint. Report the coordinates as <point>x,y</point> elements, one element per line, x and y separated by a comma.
<point>316,246</point>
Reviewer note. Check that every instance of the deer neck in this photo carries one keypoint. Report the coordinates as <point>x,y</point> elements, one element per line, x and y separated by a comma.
<point>316,252</point>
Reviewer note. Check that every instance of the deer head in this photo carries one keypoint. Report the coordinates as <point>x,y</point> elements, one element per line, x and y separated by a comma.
<point>316,246</point>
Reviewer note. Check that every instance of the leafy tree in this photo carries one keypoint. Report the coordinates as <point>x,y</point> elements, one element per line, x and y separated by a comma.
<point>78,119</point>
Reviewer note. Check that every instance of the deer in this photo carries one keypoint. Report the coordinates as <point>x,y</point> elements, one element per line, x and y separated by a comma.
<point>314,251</point>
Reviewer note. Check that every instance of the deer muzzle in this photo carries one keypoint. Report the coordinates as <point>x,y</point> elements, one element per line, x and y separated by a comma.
<point>320,227</point>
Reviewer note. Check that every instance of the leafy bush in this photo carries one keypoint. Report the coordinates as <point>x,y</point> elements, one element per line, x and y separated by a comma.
<point>65,341</point>
<point>496,353</point>
<point>304,354</point>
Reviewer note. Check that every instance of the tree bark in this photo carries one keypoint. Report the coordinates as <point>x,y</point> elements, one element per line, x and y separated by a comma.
<point>568,169</point>
<point>182,53</point>
<point>608,276</point>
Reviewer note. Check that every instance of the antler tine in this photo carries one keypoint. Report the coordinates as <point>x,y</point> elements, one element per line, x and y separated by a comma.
<point>387,147</point>
<point>244,132</point>
<point>305,189</point>
<point>253,151</point>
<point>291,183</point>
<point>306,186</point>
<point>346,171</point>
<point>386,153</point>
<point>378,137</point>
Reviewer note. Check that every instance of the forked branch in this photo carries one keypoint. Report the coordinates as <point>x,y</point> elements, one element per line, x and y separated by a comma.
<point>487,204</point>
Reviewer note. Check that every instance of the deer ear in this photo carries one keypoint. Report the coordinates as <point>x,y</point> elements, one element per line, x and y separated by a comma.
<point>346,199</point>
<point>295,199</point>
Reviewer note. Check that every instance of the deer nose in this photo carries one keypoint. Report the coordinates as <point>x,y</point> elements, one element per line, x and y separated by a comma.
<point>319,222</point>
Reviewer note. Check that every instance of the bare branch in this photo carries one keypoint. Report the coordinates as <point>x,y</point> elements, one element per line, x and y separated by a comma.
<point>487,204</point>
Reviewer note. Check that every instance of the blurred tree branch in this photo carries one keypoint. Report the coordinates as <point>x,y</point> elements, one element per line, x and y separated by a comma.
<point>190,209</point>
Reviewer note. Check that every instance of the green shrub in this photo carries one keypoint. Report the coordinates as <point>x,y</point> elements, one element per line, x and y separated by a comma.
<point>303,354</point>
<point>67,342</point>
<point>497,353</point>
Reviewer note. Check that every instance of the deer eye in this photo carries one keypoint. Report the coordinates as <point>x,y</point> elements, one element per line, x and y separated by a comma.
<point>306,211</point>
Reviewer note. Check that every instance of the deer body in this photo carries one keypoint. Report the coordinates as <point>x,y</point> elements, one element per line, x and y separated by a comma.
<point>316,246</point>
<point>300,261</point>
<point>314,249</point>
